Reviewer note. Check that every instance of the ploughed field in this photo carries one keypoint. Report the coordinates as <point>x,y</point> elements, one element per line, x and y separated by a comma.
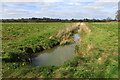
<point>97,50</point>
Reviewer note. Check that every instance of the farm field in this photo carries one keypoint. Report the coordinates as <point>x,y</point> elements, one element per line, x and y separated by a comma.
<point>97,50</point>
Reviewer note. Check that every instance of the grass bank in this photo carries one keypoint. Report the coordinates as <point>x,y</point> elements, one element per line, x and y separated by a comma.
<point>99,46</point>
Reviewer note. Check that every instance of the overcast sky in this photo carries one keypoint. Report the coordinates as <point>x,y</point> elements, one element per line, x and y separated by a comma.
<point>64,9</point>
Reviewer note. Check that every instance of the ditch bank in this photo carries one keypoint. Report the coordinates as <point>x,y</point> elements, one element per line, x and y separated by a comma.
<point>57,55</point>
<point>84,46</point>
<point>26,53</point>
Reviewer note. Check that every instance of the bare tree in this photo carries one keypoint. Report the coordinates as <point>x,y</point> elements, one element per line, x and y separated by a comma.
<point>118,15</point>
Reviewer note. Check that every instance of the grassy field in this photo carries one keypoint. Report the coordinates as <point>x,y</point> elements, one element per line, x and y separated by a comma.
<point>97,51</point>
<point>29,37</point>
<point>99,45</point>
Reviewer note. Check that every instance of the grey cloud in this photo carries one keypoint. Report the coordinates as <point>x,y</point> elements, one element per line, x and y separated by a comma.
<point>93,10</point>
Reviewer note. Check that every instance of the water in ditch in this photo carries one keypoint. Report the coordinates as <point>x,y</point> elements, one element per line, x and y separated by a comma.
<point>56,56</point>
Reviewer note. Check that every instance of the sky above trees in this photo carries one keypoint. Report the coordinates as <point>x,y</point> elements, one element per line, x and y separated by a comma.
<point>63,9</point>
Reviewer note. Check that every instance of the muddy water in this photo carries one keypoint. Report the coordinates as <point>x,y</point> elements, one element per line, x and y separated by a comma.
<point>56,56</point>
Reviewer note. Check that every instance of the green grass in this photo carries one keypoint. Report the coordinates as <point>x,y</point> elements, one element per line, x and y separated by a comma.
<point>101,47</point>
<point>29,37</point>
<point>97,54</point>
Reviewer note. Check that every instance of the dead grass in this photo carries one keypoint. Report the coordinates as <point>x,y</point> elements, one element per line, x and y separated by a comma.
<point>66,41</point>
<point>65,34</point>
<point>57,75</point>
<point>85,28</point>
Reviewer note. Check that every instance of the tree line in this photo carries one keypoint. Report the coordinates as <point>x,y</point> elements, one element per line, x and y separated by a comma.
<point>33,19</point>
